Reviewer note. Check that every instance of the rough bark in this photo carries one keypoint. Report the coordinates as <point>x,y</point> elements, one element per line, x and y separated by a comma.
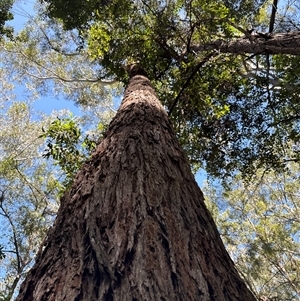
<point>134,225</point>
<point>257,43</point>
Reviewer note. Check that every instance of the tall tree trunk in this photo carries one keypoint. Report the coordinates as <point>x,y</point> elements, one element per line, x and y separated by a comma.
<point>134,225</point>
<point>257,43</point>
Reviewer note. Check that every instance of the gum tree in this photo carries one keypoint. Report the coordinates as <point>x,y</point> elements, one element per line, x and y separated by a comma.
<point>134,225</point>
<point>227,105</point>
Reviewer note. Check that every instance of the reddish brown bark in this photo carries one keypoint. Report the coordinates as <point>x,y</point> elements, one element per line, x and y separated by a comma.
<point>134,225</point>
<point>257,43</point>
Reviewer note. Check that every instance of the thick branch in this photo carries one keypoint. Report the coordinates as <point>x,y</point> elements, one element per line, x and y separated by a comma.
<point>257,43</point>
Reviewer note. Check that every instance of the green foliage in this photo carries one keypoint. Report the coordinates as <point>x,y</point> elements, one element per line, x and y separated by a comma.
<point>28,190</point>
<point>75,13</point>
<point>247,10</point>
<point>260,226</point>
<point>5,15</point>
<point>99,41</point>
<point>228,110</point>
<point>67,147</point>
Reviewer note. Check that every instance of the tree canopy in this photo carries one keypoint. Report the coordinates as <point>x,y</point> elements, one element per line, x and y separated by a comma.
<point>232,110</point>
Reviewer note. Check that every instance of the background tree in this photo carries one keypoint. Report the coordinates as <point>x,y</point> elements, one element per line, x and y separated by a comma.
<point>50,61</point>
<point>259,223</point>
<point>28,190</point>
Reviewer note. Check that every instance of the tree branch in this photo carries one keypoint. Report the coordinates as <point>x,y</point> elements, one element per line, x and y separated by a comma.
<point>257,43</point>
<point>63,79</point>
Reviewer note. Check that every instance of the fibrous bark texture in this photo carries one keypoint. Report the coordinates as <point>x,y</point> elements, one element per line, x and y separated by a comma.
<point>134,225</point>
<point>257,43</point>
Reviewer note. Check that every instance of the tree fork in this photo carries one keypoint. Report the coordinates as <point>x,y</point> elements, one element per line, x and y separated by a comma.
<point>134,225</point>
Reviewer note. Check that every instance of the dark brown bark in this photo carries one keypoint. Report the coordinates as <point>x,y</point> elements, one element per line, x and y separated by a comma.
<point>257,43</point>
<point>134,225</point>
